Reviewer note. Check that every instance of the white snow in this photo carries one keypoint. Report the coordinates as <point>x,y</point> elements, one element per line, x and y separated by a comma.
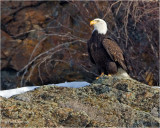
<point>73,84</point>
<point>11,92</point>
<point>155,87</point>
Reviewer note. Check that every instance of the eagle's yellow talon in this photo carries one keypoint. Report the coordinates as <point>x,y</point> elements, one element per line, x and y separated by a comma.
<point>102,74</point>
<point>109,75</point>
<point>97,78</point>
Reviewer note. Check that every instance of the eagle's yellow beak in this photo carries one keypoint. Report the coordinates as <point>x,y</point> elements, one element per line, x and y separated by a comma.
<point>93,22</point>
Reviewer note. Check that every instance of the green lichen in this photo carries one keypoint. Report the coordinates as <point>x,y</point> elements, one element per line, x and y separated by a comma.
<point>103,103</point>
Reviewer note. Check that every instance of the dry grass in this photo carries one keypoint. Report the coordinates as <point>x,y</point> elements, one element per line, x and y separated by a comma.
<point>136,23</point>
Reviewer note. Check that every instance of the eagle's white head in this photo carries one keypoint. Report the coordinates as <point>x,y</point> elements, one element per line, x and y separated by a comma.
<point>99,25</point>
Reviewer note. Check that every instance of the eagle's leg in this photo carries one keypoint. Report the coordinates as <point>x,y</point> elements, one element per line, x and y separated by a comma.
<point>100,75</point>
<point>109,75</point>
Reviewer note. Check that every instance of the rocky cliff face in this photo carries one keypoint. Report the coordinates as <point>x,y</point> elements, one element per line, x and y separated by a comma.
<point>108,101</point>
<point>47,40</point>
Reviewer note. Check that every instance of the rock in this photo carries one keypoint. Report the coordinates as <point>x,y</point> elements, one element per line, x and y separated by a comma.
<point>8,48</point>
<point>107,102</point>
<point>28,31</point>
<point>8,79</point>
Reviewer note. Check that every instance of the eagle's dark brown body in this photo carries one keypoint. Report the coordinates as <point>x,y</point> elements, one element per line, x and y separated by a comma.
<point>105,54</point>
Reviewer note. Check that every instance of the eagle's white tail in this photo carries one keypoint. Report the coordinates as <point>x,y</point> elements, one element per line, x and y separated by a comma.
<point>122,73</point>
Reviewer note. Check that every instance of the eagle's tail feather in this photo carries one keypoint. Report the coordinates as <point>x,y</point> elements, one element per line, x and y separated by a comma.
<point>123,65</point>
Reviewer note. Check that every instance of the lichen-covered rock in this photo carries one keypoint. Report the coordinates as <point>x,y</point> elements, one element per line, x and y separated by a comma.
<point>109,102</point>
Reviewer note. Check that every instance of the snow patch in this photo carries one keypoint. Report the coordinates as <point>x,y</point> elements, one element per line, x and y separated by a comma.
<point>73,84</point>
<point>155,87</point>
<point>11,92</point>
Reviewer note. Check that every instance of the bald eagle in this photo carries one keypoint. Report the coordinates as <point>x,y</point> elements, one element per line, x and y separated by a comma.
<point>104,53</point>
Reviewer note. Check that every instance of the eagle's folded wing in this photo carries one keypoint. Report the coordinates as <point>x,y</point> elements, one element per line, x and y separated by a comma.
<point>114,52</point>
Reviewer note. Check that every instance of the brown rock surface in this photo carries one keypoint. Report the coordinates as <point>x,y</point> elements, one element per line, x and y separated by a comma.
<point>109,102</point>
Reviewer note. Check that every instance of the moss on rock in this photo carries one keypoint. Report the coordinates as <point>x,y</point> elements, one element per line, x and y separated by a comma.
<point>109,102</point>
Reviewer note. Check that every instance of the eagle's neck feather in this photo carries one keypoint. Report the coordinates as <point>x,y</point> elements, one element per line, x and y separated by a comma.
<point>101,28</point>
<point>96,37</point>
